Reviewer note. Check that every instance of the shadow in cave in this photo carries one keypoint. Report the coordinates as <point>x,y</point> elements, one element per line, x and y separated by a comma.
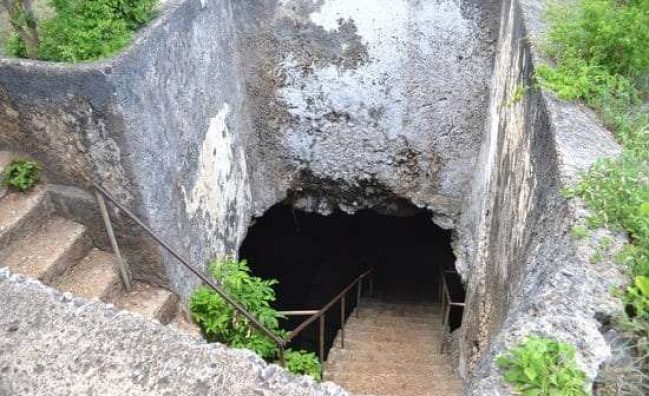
<point>314,257</point>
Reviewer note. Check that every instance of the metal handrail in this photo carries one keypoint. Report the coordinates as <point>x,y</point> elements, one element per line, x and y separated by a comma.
<point>447,302</point>
<point>102,193</point>
<point>322,312</point>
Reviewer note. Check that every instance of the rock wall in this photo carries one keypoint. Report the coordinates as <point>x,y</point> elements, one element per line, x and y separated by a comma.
<point>161,126</point>
<point>74,347</point>
<point>363,100</point>
<point>526,274</point>
<point>222,108</point>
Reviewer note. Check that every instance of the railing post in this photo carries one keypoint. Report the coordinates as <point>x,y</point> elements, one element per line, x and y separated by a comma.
<point>371,286</point>
<point>358,297</point>
<point>282,360</point>
<point>123,269</point>
<point>322,336</point>
<point>342,322</point>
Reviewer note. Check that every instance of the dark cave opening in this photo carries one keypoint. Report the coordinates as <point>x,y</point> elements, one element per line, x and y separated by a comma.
<point>314,257</point>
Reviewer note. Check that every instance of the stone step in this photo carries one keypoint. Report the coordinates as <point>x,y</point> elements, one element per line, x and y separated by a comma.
<point>398,335</point>
<point>398,314</point>
<point>376,319</point>
<point>430,357</point>
<point>396,306</point>
<point>22,213</point>
<point>404,365</point>
<point>149,301</point>
<point>183,323</point>
<point>409,347</point>
<point>371,324</point>
<point>397,384</point>
<point>95,277</point>
<point>48,252</point>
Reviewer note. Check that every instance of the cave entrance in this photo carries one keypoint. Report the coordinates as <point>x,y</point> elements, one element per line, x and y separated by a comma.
<point>314,257</point>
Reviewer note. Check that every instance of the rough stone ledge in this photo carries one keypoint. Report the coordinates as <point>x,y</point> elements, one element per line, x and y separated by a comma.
<point>571,293</point>
<point>55,344</point>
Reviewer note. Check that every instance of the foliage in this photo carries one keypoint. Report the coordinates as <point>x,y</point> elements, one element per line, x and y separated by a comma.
<point>305,363</point>
<point>24,40</point>
<point>83,30</point>
<point>543,367</point>
<point>15,46</point>
<point>21,174</point>
<point>517,95</point>
<point>580,232</point>
<point>602,58</point>
<point>221,323</point>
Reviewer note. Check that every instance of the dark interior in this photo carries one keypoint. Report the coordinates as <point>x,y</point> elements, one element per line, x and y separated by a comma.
<point>314,257</point>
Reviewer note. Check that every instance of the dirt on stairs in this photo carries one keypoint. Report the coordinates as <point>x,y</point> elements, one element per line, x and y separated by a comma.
<point>37,243</point>
<point>393,349</point>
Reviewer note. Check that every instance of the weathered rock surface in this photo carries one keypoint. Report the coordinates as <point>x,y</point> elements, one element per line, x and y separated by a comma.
<point>52,344</point>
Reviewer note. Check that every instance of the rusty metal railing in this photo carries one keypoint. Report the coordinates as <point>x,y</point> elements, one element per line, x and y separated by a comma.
<point>101,194</point>
<point>447,304</point>
<point>321,313</point>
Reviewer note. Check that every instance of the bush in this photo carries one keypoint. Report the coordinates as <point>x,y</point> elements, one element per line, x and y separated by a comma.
<point>543,367</point>
<point>221,323</point>
<point>84,30</point>
<point>304,363</point>
<point>15,46</point>
<point>21,175</point>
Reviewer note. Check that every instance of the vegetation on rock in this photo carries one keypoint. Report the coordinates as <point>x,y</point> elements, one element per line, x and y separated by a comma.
<point>602,58</point>
<point>80,30</point>
<point>543,367</point>
<point>21,175</point>
<point>221,323</point>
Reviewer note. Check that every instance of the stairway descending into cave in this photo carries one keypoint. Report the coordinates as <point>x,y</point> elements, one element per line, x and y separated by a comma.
<point>37,243</point>
<point>393,348</point>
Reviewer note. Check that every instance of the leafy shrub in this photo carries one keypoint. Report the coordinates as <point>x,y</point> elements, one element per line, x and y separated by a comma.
<point>21,175</point>
<point>543,367</point>
<point>304,363</point>
<point>83,30</point>
<point>15,46</point>
<point>221,323</point>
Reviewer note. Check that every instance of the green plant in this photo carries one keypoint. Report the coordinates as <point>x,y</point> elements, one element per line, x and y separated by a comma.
<point>86,30</point>
<point>24,40</point>
<point>21,174</point>
<point>305,363</point>
<point>580,232</point>
<point>221,323</point>
<point>517,95</point>
<point>15,46</point>
<point>543,367</point>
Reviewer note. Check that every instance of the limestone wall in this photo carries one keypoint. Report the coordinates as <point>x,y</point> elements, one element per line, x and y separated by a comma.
<point>161,126</point>
<point>527,275</point>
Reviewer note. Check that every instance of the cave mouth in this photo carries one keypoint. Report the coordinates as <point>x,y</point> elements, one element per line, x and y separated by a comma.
<point>314,257</point>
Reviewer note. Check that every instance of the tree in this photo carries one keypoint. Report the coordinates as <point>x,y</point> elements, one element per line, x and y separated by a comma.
<point>23,21</point>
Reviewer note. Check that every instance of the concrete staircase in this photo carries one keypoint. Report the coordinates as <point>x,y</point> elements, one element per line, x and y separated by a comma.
<point>37,243</point>
<point>393,349</point>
